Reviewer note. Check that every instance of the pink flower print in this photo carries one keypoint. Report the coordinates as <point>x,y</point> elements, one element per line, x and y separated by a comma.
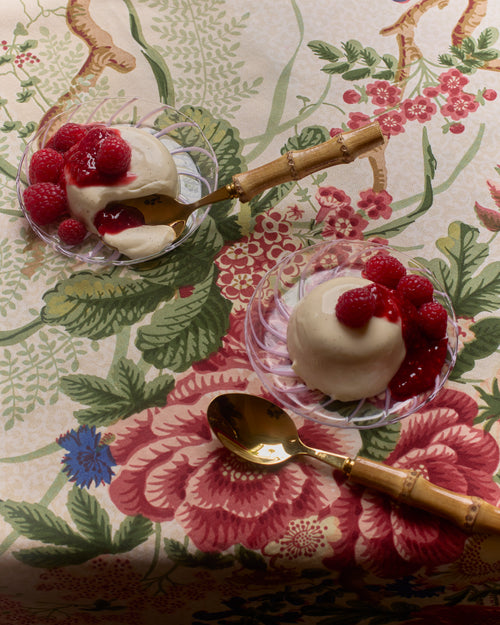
<point>431,92</point>
<point>241,266</point>
<point>442,443</point>
<point>344,224</point>
<point>490,95</point>
<point>335,131</point>
<point>303,540</point>
<point>239,285</point>
<point>294,212</point>
<point>459,106</point>
<point>421,109</point>
<point>383,93</point>
<point>376,204</point>
<point>392,122</point>
<point>351,96</point>
<point>457,129</point>
<point>358,120</point>
<point>244,253</point>
<point>330,200</point>
<point>171,468</point>
<point>452,81</point>
<point>274,233</point>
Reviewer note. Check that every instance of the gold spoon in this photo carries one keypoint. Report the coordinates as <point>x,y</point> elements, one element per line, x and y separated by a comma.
<point>261,432</point>
<point>343,148</point>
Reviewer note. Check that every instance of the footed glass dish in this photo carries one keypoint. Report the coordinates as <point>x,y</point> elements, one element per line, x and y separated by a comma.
<point>266,334</point>
<point>193,155</point>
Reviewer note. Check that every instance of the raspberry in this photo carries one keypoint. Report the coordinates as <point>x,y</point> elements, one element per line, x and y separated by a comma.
<point>113,156</point>
<point>384,269</point>
<point>81,166</point>
<point>433,319</point>
<point>67,136</point>
<point>71,231</point>
<point>46,166</point>
<point>114,219</point>
<point>355,307</point>
<point>417,289</point>
<point>94,138</point>
<point>45,202</point>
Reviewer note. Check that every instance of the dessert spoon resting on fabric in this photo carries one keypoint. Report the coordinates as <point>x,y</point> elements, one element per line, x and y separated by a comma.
<point>261,432</point>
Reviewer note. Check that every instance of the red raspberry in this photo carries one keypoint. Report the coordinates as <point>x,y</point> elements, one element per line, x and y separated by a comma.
<point>114,219</point>
<point>45,202</point>
<point>67,136</point>
<point>46,166</point>
<point>384,269</point>
<point>94,138</point>
<point>81,166</point>
<point>356,307</point>
<point>71,231</point>
<point>433,319</point>
<point>113,156</point>
<point>417,289</point>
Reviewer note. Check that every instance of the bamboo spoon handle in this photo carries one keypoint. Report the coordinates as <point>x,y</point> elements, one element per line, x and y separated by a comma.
<point>471,514</point>
<point>297,164</point>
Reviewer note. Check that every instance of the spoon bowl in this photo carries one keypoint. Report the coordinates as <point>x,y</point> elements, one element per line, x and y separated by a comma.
<point>259,431</point>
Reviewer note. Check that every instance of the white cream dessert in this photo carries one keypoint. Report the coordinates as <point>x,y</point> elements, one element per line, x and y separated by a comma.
<point>343,362</point>
<point>152,170</point>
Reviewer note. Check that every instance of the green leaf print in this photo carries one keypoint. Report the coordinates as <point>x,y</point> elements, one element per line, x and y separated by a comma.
<point>124,394</point>
<point>188,264</point>
<point>487,38</point>
<point>133,531</point>
<point>325,51</point>
<point>186,330</point>
<point>489,411</point>
<point>486,342</point>
<point>37,523</point>
<point>379,442</point>
<point>96,306</point>
<point>471,292</point>
<point>89,517</point>
<point>65,546</point>
<point>54,557</point>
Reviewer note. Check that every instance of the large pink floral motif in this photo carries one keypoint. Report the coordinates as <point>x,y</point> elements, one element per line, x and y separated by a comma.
<point>393,540</point>
<point>171,467</point>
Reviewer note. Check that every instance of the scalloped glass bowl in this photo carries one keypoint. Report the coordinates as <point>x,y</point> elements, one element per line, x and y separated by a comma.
<point>266,324</point>
<point>193,155</point>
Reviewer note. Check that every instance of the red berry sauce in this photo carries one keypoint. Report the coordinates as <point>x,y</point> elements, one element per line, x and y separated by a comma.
<point>115,218</point>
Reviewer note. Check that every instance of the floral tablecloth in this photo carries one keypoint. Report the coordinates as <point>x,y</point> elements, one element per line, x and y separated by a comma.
<point>117,504</point>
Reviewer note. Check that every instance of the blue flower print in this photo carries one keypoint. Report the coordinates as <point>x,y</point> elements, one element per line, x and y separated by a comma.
<point>87,458</point>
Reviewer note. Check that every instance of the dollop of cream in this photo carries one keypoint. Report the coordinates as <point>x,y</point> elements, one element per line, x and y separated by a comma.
<point>345,363</point>
<point>141,241</point>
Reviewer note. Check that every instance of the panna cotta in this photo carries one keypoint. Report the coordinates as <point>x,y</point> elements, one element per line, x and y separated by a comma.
<point>345,363</point>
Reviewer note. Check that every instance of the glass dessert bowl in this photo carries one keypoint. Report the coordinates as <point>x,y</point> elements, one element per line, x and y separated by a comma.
<point>272,331</point>
<point>194,163</point>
